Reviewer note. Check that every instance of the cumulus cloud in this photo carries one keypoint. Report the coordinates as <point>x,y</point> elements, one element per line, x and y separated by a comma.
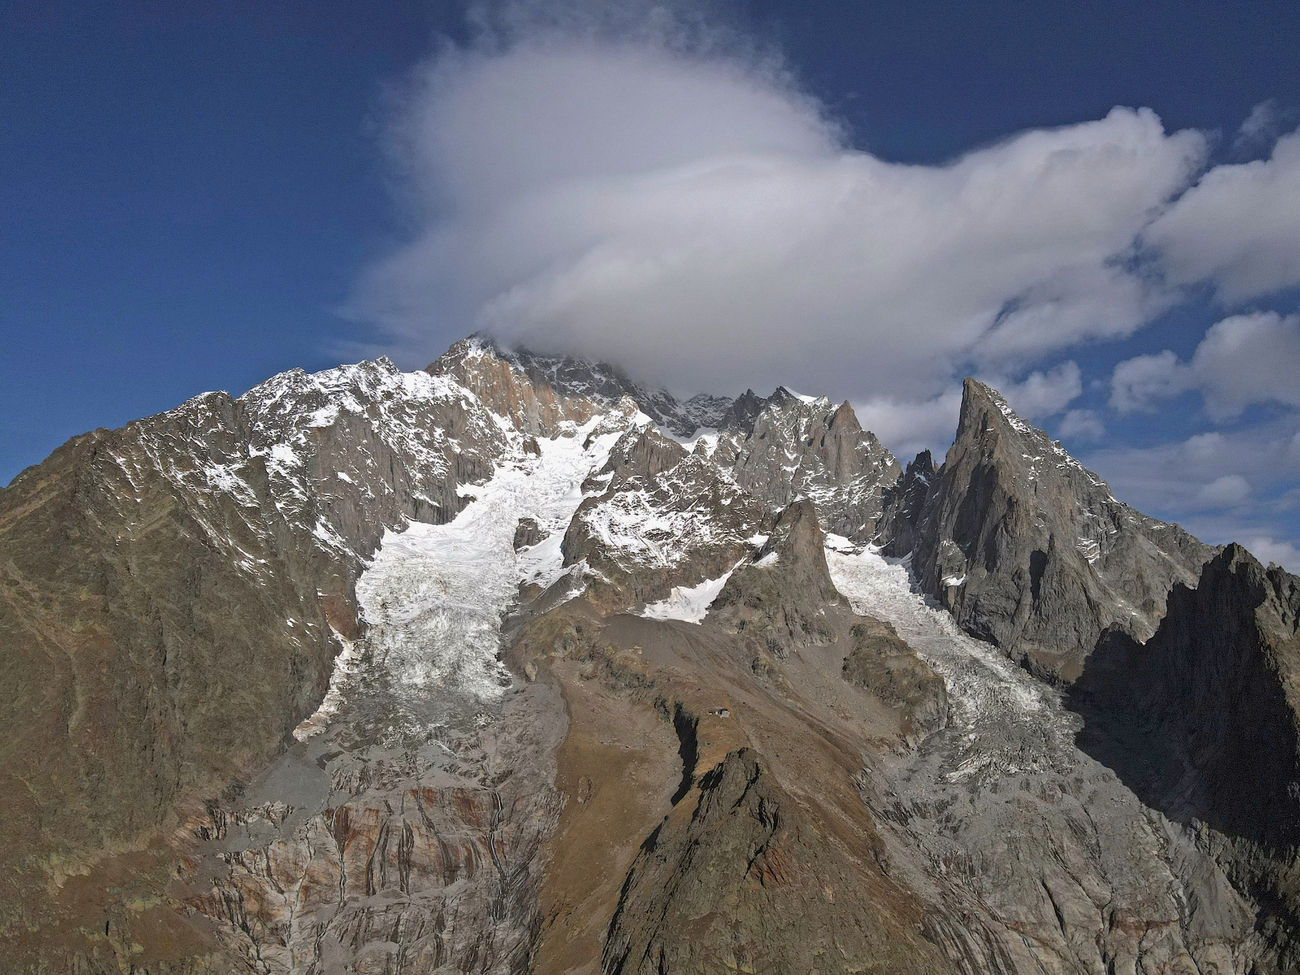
<point>1242,360</point>
<point>1268,549</point>
<point>1081,425</point>
<point>1238,227</point>
<point>688,213</point>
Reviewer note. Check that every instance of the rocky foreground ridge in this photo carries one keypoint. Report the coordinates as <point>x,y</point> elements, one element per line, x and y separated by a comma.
<point>513,665</point>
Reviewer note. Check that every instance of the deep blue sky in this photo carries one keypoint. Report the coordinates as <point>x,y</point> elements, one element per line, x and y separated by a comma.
<point>188,190</point>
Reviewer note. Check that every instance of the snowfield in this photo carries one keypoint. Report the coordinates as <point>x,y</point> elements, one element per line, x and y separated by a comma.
<point>434,595</point>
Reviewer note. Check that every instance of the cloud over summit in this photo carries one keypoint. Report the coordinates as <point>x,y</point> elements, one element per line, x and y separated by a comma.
<point>692,215</point>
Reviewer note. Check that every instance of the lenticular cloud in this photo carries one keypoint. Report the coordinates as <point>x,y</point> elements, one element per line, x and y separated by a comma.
<point>697,219</point>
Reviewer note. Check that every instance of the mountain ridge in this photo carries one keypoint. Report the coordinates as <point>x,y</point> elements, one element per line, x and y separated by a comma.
<point>459,639</point>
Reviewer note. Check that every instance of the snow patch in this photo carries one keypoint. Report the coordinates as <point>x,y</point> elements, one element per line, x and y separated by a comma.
<point>689,604</point>
<point>434,595</point>
<point>345,669</point>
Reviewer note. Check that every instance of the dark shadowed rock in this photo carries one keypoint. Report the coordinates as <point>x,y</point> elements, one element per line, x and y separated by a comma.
<point>1030,550</point>
<point>527,533</point>
<point>1203,722</point>
<point>742,412</point>
<point>903,504</point>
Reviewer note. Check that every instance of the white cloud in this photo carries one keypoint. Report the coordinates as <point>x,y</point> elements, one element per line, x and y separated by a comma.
<point>1242,360</point>
<point>1238,227</point>
<point>691,215</point>
<point>665,198</point>
<point>1268,549</point>
<point>1081,425</point>
<point>1137,381</point>
<point>1222,492</point>
<point>1043,394</point>
<point>1260,127</point>
<point>907,427</point>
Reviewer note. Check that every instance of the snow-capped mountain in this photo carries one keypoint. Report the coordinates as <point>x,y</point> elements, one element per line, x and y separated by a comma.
<point>513,665</point>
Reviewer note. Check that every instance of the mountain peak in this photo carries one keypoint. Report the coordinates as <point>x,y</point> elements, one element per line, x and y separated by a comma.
<point>1028,548</point>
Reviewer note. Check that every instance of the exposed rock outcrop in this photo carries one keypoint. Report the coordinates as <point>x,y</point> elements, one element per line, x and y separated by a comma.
<point>882,663</point>
<point>903,505</point>
<point>666,517</point>
<point>173,594</point>
<point>1203,723</point>
<point>743,879</point>
<point>1030,550</point>
<point>797,446</point>
<point>779,598</point>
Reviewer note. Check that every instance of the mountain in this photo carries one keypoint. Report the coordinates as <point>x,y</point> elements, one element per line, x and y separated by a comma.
<point>1029,549</point>
<point>515,665</point>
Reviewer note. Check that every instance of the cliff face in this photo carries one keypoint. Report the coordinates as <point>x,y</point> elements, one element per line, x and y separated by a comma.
<point>1203,722</point>
<point>1030,550</point>
<point>175,595</point>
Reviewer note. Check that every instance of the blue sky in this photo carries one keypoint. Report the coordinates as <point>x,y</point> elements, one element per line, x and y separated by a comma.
<point>197,198</point>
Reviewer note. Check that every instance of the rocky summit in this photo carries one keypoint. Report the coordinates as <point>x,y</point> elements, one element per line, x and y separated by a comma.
<point>515,665</point>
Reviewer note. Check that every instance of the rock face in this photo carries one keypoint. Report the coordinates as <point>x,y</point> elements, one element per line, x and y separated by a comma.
<point>1030,550</point>
<point>1203,723</point>
<point>790,446</point>
<point>747,883</point>
<point>885,665</point>
<point>514,665</point>
<point>666,516</point>
<point>176,593</point>
<point>778,598</point>
<point>172,591</point>
<point>903,505</point>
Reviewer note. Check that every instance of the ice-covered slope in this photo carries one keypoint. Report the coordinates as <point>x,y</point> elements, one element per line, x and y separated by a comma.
<point>434,596</point>
<point>1037,858</point>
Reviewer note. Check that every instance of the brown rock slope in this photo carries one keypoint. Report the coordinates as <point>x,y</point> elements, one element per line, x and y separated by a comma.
<point>755,852</point>
<point>142,666</point>
<point>171,594</point>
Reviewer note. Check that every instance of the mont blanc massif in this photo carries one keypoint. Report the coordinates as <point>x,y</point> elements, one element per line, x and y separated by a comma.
<point>513,665</point>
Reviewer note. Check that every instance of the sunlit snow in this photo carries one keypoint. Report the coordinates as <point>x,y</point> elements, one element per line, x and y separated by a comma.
<point>687,603</point>
<point>434,595</point>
